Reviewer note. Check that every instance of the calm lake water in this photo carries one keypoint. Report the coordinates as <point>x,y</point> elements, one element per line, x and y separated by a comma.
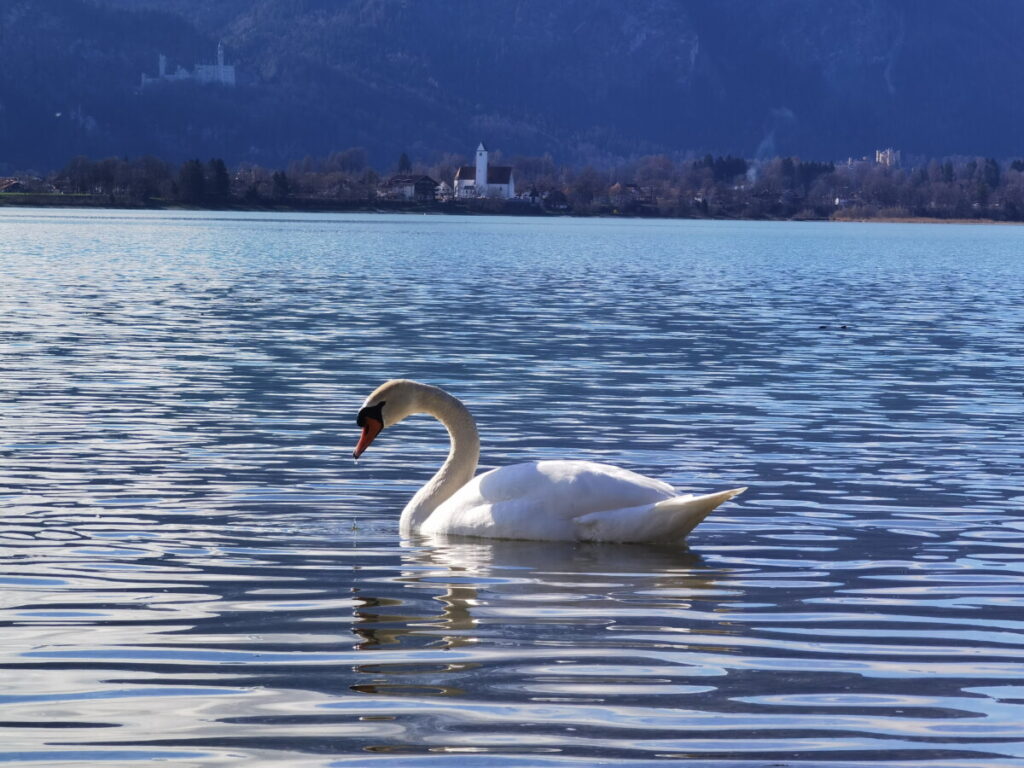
<point>193,569</point>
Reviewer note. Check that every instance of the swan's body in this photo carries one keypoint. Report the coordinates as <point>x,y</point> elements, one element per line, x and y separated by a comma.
<point>569,501</point>
<point>544,500</point>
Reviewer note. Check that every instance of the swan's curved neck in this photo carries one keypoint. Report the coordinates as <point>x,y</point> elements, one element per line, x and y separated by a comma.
<point>460,466</point>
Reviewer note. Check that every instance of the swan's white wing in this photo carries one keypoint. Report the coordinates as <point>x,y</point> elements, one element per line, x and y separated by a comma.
<point>666,521</point>
<point>540,500</point>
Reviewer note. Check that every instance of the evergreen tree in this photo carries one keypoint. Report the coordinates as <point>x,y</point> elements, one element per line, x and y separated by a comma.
<point>787,169</point>
<point>404,164</point>
<point>220,182</point>
<point>280,188</point>
<point>991,173</point>
<point>191,183</point>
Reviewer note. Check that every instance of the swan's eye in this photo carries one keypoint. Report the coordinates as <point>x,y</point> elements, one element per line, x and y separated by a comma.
<point>371,411</point>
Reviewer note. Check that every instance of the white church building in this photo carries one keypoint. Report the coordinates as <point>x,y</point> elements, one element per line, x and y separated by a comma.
<point>484,180</point>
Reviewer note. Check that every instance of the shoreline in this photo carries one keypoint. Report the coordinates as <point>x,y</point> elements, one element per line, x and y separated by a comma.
<point>485,208</point>
<point>922,220</point>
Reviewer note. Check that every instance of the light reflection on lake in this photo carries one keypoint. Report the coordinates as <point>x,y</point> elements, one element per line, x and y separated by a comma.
<point>194,570</point>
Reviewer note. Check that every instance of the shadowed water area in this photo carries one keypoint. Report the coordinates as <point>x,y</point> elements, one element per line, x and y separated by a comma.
<point>193,568</point>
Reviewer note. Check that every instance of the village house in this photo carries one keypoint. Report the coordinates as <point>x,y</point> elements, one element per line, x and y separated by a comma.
<point>444,192</point>
<point>484,180</point>
<point>555,200</point>
<point>630,195</point>
<point>409,187</point>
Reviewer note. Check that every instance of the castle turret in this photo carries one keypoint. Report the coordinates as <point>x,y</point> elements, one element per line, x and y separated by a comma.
<point>481,170</point>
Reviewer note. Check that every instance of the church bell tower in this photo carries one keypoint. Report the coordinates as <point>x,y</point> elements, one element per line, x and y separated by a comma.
<point>481,171</point>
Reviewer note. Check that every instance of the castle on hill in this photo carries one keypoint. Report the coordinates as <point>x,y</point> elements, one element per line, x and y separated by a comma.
<point>221,73</point>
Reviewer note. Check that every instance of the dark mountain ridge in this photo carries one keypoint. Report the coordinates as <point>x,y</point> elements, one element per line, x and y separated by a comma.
<point>588,81</point>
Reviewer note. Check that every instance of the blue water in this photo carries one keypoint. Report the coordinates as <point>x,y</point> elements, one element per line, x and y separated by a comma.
<point>193,569</point>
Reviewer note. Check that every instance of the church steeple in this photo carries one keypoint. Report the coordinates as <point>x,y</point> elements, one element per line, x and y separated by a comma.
<point>481,171</point>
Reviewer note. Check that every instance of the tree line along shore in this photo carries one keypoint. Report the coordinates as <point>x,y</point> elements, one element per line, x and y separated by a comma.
<point>783,188</point>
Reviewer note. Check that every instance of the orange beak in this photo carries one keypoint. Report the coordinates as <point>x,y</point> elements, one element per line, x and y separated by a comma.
<point>371,428</point>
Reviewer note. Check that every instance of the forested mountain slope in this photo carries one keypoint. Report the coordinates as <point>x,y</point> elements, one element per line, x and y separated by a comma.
<point>587,80</point>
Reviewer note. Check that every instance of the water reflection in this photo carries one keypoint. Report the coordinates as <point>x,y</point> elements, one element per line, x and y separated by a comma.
<point>492,587</point>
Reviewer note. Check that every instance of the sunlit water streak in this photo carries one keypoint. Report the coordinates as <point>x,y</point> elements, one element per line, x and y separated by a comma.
<point>194,570</point>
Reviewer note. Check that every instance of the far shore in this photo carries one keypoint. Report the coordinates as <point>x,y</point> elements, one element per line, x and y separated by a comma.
<point>460,208</point>
<point>917,220</point>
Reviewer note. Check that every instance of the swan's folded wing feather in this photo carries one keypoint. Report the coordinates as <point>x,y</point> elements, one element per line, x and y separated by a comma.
<point>539,500</point>
<point>568,488</point>
<point>666,521</point>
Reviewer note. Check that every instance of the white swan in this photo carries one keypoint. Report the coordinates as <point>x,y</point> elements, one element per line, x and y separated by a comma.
<point>543,500</point>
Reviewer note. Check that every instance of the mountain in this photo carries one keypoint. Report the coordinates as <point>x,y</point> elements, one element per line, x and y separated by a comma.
<point>588,81</point>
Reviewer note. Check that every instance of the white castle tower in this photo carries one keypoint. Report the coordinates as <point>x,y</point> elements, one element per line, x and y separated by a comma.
<point>481,170</point>
<point>216,73</point>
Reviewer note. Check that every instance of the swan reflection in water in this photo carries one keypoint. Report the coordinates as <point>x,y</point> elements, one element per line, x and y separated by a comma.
<point>528,593</point>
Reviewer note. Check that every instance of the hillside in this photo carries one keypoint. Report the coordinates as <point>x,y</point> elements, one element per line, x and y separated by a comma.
<point>589,81</point>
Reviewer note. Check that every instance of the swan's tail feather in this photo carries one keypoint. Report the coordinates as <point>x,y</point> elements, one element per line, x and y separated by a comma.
<point>712,499</point>
<point>665,522</point>
<point>686,513</point>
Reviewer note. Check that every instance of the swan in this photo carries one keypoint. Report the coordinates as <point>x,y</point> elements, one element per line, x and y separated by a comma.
<point>541,500</point>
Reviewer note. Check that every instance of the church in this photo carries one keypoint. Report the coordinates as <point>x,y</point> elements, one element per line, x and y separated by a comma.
<point>484,180</point>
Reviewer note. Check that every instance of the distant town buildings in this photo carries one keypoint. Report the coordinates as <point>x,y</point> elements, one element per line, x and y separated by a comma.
<point>890,157</point>
<point>220,73</point>
<point>484,180</point>
<point>481,180</point>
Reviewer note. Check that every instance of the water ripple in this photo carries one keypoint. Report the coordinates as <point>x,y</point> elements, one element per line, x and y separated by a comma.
<point>192,571</point>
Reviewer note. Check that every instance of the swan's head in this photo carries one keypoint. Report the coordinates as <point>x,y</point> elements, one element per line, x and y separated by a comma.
<point>389,403</point>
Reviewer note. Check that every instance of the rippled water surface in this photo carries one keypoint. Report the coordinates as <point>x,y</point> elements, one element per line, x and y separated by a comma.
<point>193,569</point>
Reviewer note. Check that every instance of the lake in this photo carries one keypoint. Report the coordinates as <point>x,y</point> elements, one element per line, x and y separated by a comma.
<point>194,570</point>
